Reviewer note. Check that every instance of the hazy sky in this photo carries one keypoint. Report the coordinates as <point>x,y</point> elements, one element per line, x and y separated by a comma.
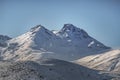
<point>100,18</point>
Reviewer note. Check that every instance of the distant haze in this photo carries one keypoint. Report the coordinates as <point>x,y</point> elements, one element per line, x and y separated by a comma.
<point>100,18</point>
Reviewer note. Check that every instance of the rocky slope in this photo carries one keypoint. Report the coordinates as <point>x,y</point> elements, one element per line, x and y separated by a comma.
<point>108,62</point>
<point>3,43</point>
<point>49,69</point>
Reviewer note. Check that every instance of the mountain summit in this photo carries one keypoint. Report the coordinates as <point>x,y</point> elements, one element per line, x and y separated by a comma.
<point>69,27</point>
<point>70,43</point>
<point>38,28</point>
<point>69,30</point>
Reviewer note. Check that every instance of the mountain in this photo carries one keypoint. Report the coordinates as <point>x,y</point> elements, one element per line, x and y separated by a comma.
<point>70,43</point>
<point>47,69</point>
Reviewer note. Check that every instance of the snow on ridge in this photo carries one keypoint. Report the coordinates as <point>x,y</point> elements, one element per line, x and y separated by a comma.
<point>107,61</point>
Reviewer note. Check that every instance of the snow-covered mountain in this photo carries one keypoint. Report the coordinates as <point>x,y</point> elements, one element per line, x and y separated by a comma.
<point>70,43</point>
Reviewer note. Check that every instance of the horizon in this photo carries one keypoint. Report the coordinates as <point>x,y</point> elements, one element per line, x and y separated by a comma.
<point>100,19</point>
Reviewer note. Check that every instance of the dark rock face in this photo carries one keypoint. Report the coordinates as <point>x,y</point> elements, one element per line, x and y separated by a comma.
<point>3,40</point>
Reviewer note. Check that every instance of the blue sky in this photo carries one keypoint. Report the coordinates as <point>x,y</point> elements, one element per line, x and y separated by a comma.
<point>100,18</point>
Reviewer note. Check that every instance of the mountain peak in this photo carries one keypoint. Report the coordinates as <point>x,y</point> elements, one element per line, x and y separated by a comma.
<point>37,28</point>
<point>69,27</point>
<point>73,31</point>
<point>40,31</point>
